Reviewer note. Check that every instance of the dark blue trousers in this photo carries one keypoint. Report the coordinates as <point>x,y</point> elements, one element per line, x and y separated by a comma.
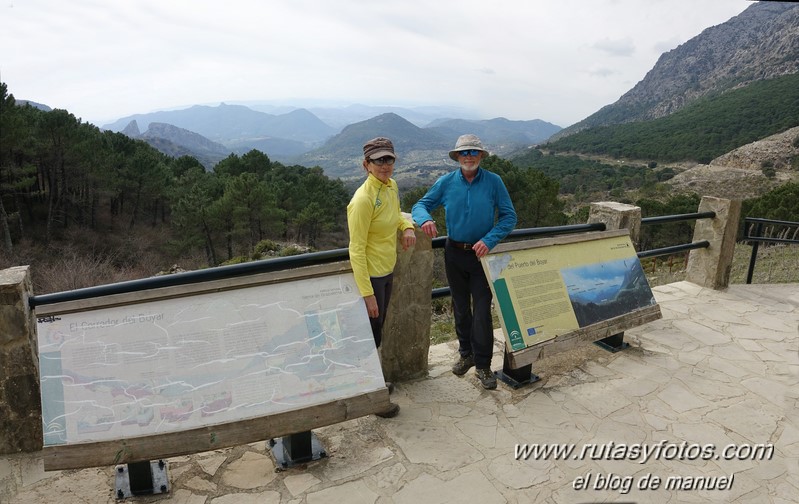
<point>382,287</point>
<point>471,301</point>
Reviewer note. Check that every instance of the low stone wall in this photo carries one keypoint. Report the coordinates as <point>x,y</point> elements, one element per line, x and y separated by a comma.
<point>406,332</point>
<point>20,402</point>
<point>710,267</point>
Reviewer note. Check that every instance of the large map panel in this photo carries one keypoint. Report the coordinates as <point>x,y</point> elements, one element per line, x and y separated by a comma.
<point>181,363</point>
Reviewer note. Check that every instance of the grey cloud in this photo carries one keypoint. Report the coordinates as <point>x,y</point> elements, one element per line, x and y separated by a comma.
<point>616,47</point>
<point>603,72</point>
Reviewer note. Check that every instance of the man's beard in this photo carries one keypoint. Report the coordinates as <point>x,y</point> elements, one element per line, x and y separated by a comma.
<point>470,169</point>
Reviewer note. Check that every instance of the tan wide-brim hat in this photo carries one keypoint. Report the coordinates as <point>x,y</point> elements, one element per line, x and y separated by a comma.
<point>466,142</point>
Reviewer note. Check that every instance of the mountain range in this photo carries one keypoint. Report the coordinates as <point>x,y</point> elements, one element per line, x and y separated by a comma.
<point>299,137</point>
<point>760,43</point>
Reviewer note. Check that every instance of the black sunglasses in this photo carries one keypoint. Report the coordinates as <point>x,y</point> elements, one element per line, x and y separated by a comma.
<point>470,152</point>
<point>383,161</point>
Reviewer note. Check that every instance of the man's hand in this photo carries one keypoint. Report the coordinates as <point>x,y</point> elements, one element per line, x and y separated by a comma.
<point>408,238</point>
<point>430,229</point>
<point>480,249</point>
<point>371,306</point>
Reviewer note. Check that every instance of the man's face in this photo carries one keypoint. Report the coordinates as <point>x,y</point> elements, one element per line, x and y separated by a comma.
<point>470,160</point>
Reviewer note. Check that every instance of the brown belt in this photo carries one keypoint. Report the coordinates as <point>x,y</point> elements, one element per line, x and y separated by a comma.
<point>459,245</point>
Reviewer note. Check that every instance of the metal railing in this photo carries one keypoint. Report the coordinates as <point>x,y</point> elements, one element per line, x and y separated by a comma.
<point>758,238</point>
<point>328,256</point>
<point>648,221</point>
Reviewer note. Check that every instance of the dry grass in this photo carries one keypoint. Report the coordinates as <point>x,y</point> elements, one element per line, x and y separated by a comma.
<point>774,264</point>
<point>87,259</point>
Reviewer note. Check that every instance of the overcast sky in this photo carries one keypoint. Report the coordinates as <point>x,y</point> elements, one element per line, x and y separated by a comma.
<point>555,60</point>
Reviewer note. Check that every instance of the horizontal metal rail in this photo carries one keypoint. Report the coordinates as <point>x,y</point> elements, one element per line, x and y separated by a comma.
<point>254,267</point>
<point>539,232</point>
<point>673,249</point>
<point>769,240</point>
<point>770,221</point>
<point>676,218</point>
<point>191,277</point>
<point>312,258</point>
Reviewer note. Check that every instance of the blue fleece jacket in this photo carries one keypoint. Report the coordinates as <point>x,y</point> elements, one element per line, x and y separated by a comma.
<point>470,208</point>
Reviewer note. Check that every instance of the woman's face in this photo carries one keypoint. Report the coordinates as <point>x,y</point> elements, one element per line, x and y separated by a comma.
<point>382,171</point>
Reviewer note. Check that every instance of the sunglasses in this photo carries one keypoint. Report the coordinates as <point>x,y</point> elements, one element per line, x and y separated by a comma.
<point>385,160</point>
<point>471,152</point>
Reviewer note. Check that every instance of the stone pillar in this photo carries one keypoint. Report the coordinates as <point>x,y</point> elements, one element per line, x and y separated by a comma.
<point>406,332</point>
<point>20,403</point>
<point>710,267</point>
<point>618,216</point>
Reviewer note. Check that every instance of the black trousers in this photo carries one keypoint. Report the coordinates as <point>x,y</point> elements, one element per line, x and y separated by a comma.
<point>382,287</point>
<point>471,301</point>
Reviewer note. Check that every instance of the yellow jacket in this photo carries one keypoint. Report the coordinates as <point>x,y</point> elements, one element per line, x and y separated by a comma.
<point>373,217</point>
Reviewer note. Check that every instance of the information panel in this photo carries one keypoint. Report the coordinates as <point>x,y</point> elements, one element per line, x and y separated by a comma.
<point>185,362</point>
<point>545,288</point>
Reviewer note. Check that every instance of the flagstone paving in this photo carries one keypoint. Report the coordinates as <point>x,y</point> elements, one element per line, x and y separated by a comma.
<point>720,369</point>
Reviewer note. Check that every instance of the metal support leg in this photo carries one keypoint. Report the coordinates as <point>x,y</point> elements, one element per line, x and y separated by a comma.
<point>141,478</point>
<point>613,343</point>
<point>515,378</point>
<point>297,449</point>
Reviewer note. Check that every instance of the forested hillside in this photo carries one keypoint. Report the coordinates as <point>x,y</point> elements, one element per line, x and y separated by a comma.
<point>70,189</point>
<point>701,131</point>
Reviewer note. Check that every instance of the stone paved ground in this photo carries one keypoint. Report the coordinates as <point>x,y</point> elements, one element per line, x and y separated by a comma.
<point>721,368</point>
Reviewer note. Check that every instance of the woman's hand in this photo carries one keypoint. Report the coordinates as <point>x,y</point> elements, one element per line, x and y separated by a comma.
<point>371,306</point>
<point>408,238</point>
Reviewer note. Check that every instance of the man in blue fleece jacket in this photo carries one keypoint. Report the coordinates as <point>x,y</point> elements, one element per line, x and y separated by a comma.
<point>479,213</point>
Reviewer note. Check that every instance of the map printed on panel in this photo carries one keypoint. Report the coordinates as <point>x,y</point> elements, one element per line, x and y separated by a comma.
<point>543,292</point>
<point>187,362</point>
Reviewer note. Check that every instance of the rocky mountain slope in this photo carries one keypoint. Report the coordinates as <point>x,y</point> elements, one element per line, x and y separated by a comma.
<point>760,43</point>
<point>177,142</point>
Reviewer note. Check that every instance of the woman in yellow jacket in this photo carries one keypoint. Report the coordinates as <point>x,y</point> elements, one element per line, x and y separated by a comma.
<point>373,217</point>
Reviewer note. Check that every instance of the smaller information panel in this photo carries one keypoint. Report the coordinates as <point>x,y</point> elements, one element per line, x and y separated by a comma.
<point>185,362</point>
<point>545,288</point>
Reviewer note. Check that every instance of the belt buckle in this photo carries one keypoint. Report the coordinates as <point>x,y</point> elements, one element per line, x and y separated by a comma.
<point>467,246</point>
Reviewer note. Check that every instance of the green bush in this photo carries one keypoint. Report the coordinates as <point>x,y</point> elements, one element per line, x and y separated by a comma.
<point>291,250</point>
<point>263,247</point>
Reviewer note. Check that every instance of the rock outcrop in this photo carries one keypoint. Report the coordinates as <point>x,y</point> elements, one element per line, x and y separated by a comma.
<point>780,151</point>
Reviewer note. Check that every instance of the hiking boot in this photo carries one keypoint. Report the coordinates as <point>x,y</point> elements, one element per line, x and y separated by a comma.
<point>487,378</point>
<point>390,387</point>
<point>391,412</point>
<point>462,365</point>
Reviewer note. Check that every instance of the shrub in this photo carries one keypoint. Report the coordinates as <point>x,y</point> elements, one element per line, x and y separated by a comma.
<point>290,251</point>
<point>263,247</point>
